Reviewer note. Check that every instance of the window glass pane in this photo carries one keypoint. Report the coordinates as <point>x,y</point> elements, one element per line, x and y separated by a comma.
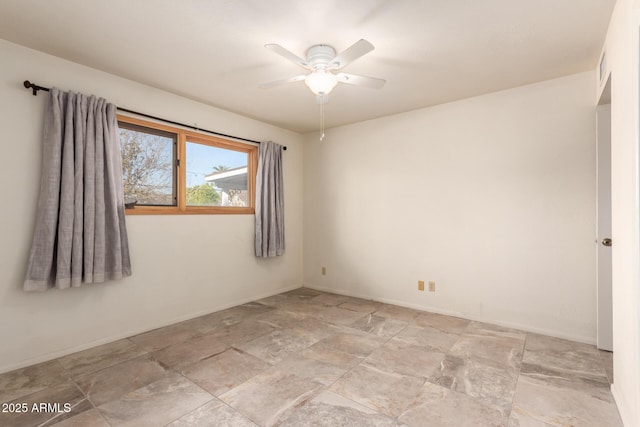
<point>216,176</point>
<point>147,165</point>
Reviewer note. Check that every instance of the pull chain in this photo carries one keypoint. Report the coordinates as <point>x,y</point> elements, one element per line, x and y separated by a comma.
<point>321,121</point>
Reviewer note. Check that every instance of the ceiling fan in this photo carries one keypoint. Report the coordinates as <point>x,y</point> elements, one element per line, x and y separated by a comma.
<point>322,61</point>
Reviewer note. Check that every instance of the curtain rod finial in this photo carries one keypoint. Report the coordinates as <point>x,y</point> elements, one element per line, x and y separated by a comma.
<point>27,84</point>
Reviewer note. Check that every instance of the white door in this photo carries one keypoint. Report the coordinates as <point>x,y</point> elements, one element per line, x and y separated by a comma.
<point>605,303</point>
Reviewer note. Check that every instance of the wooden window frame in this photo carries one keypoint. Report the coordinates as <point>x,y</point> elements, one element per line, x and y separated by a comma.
<point>184,136</point>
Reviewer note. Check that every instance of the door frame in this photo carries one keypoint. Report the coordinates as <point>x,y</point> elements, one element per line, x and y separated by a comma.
<point>604,285</point>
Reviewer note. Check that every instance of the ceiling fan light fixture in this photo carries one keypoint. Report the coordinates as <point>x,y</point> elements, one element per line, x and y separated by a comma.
<point>321,82</point>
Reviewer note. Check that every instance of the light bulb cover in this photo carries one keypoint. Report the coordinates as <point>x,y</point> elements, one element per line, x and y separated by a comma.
<point>321,82</point>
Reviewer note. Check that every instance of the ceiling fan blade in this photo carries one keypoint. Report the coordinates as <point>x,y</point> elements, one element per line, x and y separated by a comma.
<point>275,83</point>
<point>355,51</point>
<point>288,55</point>
<point>354,79</point>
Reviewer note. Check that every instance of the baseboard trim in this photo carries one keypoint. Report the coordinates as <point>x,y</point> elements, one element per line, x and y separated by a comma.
<point>623,409</point>
<point>56,354</point>
<point>513,325</point>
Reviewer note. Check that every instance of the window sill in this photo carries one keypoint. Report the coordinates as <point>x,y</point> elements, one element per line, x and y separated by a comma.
<point>192,210</point>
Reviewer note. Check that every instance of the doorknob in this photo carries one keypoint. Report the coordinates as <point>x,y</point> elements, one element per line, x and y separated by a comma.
<point>606,242</point>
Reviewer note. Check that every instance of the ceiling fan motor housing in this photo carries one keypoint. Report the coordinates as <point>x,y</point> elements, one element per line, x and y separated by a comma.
<point>319,56</point>
<point>322,61</point>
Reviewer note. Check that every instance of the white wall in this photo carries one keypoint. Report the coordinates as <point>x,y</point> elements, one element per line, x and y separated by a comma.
<point>492,197</point>
<point>622,50</point>
<point>183,266</point>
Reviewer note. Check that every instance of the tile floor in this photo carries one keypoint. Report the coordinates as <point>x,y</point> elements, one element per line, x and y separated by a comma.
<point>307,358</point>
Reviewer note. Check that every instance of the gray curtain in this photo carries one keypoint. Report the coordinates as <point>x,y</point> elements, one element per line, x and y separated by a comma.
<point>80,235</point>
<point>269,201</point>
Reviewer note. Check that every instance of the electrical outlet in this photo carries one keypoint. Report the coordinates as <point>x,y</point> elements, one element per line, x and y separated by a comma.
<point>421,285</point>
<point>432,286</point>
<point>324,271</point>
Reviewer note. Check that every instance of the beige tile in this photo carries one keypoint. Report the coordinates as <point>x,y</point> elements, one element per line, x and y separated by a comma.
<point>361,305</point>
<point>405,359</point>
<point>541,343</point>
<point>330,299</point>
<point>225,371</point>
<point>277,345</point>
<point>312,369</point>
<point>378,325</point>
<point>332,410</point>
<point>315,329</point>
<point>90,418</point>
<point>309,326</point>
<point>607,360</point>
<point>444,323</point>
<point>427,337</point>
<point>563,354</point>
<point>275,301</point>
<point>31,379</point>
<point>338,316</point>
<point>242,332</point>
<point>164,337</point>
<point>232,316</point>
<point>397,312</point>
<point>522,420</point>
<point>223,319</point>
<point>282,319</point>
<point>487,329</point>
<point>47,407</point>
<point>181,355</point>
<point>301,306</point>
<point>324,353</point>
<point>355,343</point>
<point>564,377</point>
<point>440,407</point>
<point>112,382</point>
<point>213,414</point>
<point>155,404</point>
<point>77,408</point>
<point>303,293</point>
<point>384,392</point>
<point>559,401</point>
<point>501,352</point>
<point>270,396</point>
<point>476,379</point>
<point>208,323</point>
<point>317,340</point>
<point>100,357</point>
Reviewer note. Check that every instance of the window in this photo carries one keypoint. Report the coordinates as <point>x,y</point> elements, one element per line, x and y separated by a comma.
<point>148,159</point>
<point>168,170</point>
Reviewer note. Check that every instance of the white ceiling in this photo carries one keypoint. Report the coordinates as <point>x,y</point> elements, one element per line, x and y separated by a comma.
<point>429,51</point>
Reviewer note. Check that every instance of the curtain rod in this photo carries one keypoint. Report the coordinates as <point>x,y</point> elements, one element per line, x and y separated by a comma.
<point>35,88</point>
